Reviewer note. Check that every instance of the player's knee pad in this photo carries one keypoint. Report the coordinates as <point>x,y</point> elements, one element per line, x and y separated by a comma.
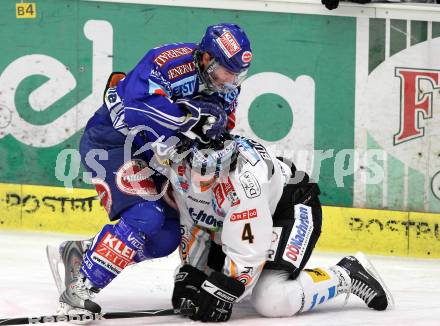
<point>147,217</point>
<point>165,242</point>
<point>275,295</point>
<point>113,249</point>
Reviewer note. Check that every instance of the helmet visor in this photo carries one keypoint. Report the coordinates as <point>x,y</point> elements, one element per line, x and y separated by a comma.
<point>223,80</point>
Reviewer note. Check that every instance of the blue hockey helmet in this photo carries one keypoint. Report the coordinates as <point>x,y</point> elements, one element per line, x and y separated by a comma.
<point>231,54</point>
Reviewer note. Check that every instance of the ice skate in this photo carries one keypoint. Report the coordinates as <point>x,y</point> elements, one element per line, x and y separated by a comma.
<point>366,282</point>
<point>69,253</point>
<point>78,291</point>
<point>77,298</point>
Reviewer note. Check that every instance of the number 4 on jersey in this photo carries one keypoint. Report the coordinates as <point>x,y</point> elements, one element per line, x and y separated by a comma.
<point>247,233</point>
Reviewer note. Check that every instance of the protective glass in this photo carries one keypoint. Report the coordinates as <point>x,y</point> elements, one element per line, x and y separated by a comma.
<point>223,80</point>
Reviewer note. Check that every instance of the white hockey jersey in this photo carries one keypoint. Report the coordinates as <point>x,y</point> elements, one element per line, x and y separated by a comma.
<point>235,213</point>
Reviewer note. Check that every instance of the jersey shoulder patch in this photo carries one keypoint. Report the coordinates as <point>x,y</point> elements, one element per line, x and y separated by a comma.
<point>254,154</point>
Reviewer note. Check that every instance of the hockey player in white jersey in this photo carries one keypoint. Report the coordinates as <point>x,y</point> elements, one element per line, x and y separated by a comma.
<point>249,223</point>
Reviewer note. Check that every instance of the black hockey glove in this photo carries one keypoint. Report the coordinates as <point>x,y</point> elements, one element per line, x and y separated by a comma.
<point>208,119</point>
<point>186,285</point>
<point>216,297</point>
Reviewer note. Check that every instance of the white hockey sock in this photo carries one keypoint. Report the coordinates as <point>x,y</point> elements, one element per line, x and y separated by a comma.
<point>322,284</point>
<point>275,295</point>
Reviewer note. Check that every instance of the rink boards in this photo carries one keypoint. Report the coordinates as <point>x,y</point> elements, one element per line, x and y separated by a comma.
<point>350,95</point>
<point>56,209</point>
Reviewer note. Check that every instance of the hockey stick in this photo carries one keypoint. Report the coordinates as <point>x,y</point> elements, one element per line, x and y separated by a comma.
<point>95,316</point>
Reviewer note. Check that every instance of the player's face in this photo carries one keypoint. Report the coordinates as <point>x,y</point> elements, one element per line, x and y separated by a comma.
<point>220,78</point>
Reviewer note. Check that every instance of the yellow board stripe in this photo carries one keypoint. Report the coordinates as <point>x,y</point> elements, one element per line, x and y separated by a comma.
<point>380,232</point>
<point>55,209</point>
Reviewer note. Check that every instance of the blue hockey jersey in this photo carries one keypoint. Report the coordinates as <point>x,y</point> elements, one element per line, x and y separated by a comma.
<point>146,96</point>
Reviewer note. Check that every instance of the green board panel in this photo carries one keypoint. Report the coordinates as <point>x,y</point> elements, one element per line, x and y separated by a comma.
<point>71,33</point>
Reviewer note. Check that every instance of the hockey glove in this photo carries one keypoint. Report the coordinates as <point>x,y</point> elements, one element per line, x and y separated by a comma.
<point>330,4</point>
<point>186,284</point>
<point>207,119</point>
<point>216,297</point>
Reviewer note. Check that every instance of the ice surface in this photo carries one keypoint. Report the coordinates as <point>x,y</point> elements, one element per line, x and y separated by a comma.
<point>27,289</point>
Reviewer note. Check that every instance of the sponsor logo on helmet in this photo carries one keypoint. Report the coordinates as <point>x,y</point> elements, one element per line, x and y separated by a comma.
<point>246,57</point>
<point>133,178</point>
<point>168,55</point>
<point>228,44</point>
<point>246,215</point>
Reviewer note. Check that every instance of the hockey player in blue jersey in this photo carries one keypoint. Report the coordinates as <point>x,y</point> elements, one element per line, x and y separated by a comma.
<point>182,90</point>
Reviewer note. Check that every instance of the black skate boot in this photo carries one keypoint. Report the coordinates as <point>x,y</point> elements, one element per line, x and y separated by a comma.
<point>76,298</point>
<point>366,282</point>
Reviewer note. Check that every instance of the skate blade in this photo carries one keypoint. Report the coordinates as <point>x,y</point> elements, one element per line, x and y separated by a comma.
<point>365,262</point>
<point>54,259</point>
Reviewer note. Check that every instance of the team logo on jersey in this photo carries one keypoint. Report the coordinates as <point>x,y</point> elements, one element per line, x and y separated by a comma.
<point>183,69</point>
<point>168,55</point>
<point>104,193</point>
<point>246,215</point>
<point>113,254</point>
<point>299,236</point>
<point>250,185</point>
<point>228,44</point>
<point>246,279</point>
<point>133,178</point>
<point>202,217</point>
